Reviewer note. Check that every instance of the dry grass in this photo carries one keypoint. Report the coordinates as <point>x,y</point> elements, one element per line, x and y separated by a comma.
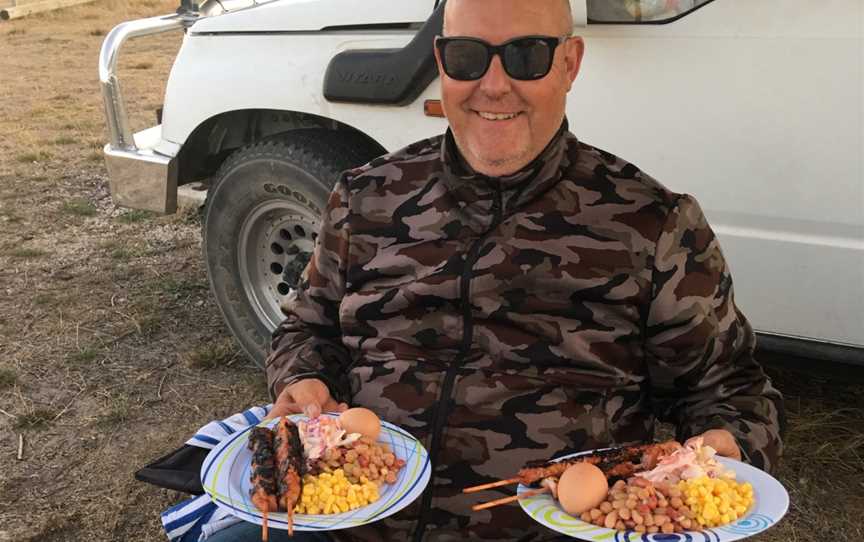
<point>215,355</point>
<point>133,215</point>
<point>8,378</point>
<point>94,339</point>
<point>79,207</point>
<point>823,467</point>
<point>26,253</point>
<point>37,419</point>
<point>112,350</point>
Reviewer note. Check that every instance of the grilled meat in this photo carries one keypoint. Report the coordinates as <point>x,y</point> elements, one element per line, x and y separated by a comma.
<point>290,467</point>
<point>263,475</point>
<point>616,463</point>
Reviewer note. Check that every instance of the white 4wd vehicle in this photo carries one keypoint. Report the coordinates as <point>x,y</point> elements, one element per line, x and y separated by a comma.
<point>756,108</point>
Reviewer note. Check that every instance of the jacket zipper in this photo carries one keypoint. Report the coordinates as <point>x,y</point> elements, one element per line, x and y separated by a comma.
<point>450,376</point>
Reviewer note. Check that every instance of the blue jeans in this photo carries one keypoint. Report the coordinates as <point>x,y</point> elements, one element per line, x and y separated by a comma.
<point>249,532</point>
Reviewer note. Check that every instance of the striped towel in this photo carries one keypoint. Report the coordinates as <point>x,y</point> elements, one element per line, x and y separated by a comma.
<point>197,518</point>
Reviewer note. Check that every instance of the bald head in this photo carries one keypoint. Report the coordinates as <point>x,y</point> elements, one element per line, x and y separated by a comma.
<point>560,8</point>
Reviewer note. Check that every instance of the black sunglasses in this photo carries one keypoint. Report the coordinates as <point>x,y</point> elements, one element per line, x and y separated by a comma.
<point>526,58</point>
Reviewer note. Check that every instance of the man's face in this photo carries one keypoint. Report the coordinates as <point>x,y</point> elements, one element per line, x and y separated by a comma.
<point>534,110</point>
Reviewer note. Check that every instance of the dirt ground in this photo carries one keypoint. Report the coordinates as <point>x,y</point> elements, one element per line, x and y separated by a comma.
<point>112,351</point>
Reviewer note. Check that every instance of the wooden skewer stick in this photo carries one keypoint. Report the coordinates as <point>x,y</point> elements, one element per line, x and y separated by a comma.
<point>505,500</point>
<point>490,485</point>
<point>264,526</point>
<point>291,522</point>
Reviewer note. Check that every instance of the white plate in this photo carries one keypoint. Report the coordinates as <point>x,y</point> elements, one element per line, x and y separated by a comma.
<point>225,477</point>
<point>770,504</point>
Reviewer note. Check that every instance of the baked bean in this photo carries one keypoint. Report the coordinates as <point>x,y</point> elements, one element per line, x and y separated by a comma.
<point>611,519</point>
<point>638,481</point>
<point>595,513</point>
<point>605,507</point>
<point>624,513</point>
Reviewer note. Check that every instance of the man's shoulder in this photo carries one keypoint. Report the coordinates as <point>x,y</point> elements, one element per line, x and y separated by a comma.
<point>606,171</point>
<point>418,159</point>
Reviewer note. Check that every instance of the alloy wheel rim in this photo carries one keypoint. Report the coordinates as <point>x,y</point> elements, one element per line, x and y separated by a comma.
<point>276,236</point>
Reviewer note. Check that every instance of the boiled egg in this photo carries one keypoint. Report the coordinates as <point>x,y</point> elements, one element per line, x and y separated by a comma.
<point>361,420</point>
<point>581,488</point>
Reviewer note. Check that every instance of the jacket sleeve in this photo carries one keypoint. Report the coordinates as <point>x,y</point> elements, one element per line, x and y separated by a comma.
<point>308,343</point>
<point>699,346</point>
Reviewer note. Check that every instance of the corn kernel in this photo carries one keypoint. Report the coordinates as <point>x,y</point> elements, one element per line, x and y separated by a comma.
<point>333,493</point>
<point>715,502</point>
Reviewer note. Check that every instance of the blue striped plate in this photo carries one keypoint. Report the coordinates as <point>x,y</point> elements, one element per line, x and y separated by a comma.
<point>770,503</point>
<point>225,477</point>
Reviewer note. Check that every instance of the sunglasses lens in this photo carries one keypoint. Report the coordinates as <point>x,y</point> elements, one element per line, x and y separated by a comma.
<point>465,60</point>
<point>528,59</point>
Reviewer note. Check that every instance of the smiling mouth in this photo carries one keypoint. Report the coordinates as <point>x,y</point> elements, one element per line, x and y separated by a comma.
<point>496,116</point>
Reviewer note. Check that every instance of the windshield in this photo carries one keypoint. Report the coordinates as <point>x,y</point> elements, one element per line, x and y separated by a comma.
<point>640,11</point>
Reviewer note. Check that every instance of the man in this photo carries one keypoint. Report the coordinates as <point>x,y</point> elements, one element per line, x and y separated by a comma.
<point>507,293</point>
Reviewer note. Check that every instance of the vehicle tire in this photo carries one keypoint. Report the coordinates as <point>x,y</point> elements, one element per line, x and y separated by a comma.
<point>261,219</point>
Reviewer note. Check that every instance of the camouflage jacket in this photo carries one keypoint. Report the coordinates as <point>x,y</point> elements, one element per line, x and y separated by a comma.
<point>501,320</point>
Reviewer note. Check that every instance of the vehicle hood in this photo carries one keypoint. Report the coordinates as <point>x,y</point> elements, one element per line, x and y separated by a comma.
<point>312,15</point>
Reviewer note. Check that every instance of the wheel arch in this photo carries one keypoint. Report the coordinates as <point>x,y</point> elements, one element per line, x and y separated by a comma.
<point>210,143</point>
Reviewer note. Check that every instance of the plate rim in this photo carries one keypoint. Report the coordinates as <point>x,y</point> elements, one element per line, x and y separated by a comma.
<point>720,534</point>
<point>274,520</point>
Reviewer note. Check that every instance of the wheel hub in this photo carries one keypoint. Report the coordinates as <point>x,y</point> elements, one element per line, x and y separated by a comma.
<point>276,242</point>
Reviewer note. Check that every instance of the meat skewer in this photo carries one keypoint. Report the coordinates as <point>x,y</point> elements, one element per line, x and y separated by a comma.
<point>615,463</point>
<point>290,467</point>
<point>263,474</point>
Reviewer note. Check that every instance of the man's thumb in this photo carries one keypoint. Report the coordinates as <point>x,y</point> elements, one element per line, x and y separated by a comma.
<point>312,410</point>
<point>282,409</point>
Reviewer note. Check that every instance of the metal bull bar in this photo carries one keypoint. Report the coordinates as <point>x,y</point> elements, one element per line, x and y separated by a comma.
<point>139,177</point>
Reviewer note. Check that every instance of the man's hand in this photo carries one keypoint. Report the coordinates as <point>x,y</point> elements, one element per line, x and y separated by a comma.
<point>309,396</point>
<point>722,441</point>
